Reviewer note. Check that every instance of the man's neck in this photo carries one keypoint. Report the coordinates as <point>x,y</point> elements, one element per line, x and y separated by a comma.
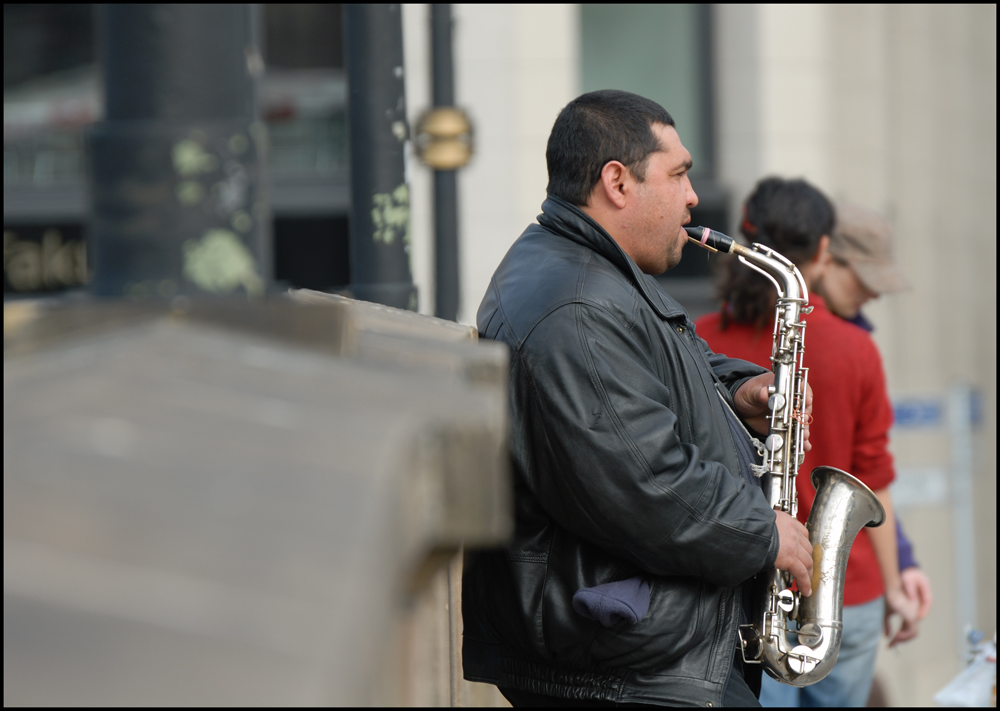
<point>603,218</point>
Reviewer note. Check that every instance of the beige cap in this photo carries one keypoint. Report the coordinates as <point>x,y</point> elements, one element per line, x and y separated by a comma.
<point>863,239</point>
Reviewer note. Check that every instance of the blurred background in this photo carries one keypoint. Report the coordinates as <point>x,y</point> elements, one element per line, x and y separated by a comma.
<point>888,106</point>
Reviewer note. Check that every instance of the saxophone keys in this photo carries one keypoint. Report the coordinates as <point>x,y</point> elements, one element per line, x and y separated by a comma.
<point>810,634</point>
<point>750,644</point>
<point>786,600</point>
<point>801,660</point>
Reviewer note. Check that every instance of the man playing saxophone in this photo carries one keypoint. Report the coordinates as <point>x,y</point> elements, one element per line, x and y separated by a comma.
<point>642,539</point>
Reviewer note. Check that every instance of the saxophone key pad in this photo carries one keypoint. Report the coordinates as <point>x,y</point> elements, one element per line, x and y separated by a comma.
<point>786,600</point>
<point>801,660</point>
<point>810,634</point>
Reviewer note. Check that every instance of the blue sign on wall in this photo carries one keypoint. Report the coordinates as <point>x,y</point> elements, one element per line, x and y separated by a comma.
<point>933,412</point>
<point>919,413</point>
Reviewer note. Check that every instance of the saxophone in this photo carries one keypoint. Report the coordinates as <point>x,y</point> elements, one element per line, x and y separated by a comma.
<point>802,654</point>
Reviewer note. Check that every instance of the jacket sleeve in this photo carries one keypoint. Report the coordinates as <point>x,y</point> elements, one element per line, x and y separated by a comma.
<point>731,372</point>
<point>599,443</point>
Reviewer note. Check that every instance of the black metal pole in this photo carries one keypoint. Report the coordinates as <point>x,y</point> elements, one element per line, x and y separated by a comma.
<point>380,197</point>
<point>176,165</point>
<point>446,274</point>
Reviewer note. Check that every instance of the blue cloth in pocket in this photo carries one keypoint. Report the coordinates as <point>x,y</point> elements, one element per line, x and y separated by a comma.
<point>611,603</point>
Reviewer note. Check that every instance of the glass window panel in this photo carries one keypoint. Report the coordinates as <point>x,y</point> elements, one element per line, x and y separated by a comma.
<point>303,36</point>
<point>653,51</point>
<point>40,39</point>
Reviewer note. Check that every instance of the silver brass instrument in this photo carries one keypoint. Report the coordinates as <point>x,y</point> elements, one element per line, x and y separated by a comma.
<point>802,654</point>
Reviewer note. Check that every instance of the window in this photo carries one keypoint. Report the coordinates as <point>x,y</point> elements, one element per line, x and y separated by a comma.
<point>52,93</point>
<point>45,39</point>
<point>654,51</point>
<point>663,52</point>
<point>303,96</point>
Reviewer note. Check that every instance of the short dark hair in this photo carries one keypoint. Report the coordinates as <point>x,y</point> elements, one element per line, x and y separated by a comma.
<point>594,129</point>
<point>791,217</point>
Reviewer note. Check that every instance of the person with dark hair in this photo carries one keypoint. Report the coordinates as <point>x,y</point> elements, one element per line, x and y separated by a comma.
<point>852,411</point>
<point>640,532</point>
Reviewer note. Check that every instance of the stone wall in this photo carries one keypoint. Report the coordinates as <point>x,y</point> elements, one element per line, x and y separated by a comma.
<point>244,503</point>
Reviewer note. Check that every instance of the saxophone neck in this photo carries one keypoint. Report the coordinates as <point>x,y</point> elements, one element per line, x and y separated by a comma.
<point>779,269</point>
<point>782,272</point>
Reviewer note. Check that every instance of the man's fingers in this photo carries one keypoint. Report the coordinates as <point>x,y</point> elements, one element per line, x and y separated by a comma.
<point>795,551</point>
<point>751,398</point>
<point>906,607</point>
<point>907,632</point>
<point>803,573</point>
<point>803,576</point>
<point>798,572</point>
<point>804,579</point>
<point>917,586</point>
<point>926,599</point>
<point>805,585</point>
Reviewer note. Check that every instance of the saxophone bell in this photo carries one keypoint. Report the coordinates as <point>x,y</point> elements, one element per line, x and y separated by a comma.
<point>842,507</point>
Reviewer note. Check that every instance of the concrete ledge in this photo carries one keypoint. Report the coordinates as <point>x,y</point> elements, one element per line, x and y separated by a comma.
<point>231,503</point>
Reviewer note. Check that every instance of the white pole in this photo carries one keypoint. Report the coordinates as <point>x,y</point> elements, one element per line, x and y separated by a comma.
<point>960,424</point>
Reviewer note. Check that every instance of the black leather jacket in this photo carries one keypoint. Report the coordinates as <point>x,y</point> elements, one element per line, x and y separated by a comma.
<point>624,465</point>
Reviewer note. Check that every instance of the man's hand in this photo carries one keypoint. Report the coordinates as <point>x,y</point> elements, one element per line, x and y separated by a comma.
<point>917,586</point>
<point>897,603</point>
<point>751,405</point>
<point>912,605</point>
<point>794,551</point>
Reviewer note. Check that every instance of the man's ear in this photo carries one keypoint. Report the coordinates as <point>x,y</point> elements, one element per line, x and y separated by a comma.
<point>613,178</point>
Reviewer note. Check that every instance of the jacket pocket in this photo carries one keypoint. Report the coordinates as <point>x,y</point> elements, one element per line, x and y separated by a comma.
<point>611,603</point>
<point>675,624</point>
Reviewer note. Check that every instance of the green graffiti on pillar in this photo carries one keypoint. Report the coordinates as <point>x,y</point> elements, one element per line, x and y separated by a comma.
<point>190,159</point>
<point>391,216</point>
<point>219,263</point>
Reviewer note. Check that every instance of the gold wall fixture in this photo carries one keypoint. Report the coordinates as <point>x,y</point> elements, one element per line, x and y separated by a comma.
<point>444,138</point>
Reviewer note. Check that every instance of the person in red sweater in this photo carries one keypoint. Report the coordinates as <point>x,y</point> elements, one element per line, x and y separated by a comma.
<point>851,418</point>
<point>859,267</point>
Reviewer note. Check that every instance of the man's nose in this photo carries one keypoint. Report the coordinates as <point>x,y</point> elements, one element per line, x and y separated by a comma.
<point>692,196</point>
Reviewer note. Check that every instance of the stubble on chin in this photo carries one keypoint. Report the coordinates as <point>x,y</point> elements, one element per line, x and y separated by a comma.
<point>675,254</point>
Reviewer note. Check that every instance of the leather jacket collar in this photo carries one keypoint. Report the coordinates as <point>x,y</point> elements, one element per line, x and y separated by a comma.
<point>569,221</point>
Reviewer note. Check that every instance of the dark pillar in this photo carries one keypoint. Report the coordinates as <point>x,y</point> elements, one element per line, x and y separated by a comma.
<point>176,166</point>
<point>445,181</point>
<point>380,197</point>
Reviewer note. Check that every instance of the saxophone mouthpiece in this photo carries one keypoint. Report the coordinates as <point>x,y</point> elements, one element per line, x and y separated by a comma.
<point>710,239</point>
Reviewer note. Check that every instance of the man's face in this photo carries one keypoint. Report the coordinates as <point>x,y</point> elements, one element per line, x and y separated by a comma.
<point>843,291</point>
<point>663,207</point>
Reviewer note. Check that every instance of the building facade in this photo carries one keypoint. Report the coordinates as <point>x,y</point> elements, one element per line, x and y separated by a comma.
<point>888,106</point>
